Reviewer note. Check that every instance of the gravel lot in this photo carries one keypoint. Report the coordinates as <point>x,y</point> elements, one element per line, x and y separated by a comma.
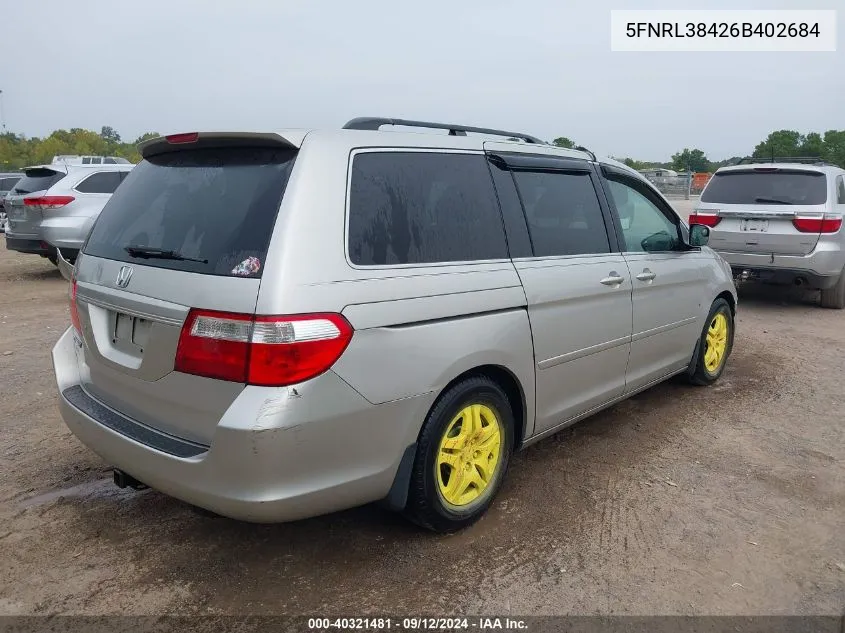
<point>722,500</point>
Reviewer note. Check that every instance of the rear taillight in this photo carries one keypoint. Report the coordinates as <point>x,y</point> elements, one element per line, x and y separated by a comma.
<point>74,311</point>
<point>823,224</point>
<point>262,350</point>
<point>45,203</point>
<point>707,218</point>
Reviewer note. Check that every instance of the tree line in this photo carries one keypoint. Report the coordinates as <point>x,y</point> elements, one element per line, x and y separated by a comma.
<point>829,147</point>
<point>17,150</point>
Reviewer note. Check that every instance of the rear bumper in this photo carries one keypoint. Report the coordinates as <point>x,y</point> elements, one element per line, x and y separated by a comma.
<point>819,269</point>
<point>27,245</point>
<point>66,233</point>
<point>278,454</point>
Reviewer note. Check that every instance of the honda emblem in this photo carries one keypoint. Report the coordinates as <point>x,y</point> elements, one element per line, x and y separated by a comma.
<point>124,276</point>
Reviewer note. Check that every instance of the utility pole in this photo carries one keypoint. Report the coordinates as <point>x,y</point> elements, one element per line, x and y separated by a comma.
<point>2,117</point>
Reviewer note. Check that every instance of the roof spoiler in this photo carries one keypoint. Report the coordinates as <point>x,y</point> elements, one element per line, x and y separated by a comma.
<point>196,140</point>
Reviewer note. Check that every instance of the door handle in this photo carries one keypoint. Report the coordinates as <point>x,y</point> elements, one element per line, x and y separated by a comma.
<point>646,275</point>
<point>613,279</point>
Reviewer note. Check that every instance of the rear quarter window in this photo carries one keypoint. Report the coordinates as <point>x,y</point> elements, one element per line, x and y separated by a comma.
<point>214,205</point>
<point>422,208</point>
<point>103,182</point>
<point>767,186</point>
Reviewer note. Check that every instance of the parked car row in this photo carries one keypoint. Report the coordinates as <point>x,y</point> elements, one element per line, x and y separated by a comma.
<point>54,206</point>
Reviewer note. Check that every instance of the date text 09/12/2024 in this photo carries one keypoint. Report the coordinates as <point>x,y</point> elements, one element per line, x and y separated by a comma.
<point>722,29</point>
<point>417,624</point>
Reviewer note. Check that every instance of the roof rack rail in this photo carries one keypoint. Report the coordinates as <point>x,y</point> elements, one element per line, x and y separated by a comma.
<point>375,123</point>
<point>581,148</point>
<point>804,160</point>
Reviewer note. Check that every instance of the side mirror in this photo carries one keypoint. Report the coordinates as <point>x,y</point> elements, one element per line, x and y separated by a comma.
<point>699,235</point>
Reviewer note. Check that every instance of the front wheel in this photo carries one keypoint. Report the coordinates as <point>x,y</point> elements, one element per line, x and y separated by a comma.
<point>462,456</point>
<point>715,345</point>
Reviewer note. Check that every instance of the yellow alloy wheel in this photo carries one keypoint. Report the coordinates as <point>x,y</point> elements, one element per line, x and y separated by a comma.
<point>468,455</point>
<point>717,343</point>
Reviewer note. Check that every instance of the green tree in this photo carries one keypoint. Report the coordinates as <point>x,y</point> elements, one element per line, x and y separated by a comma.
<point>562,141</point>
<point>110,135</point>
<point>811,145</point>
<point>692,159</point>
<point>834,147</point>
<point>779,143</point>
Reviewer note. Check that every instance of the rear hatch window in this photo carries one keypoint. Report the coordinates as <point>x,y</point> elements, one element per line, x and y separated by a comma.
<point>38,179</point>
<point>209,211</point>
<point>767,186</point>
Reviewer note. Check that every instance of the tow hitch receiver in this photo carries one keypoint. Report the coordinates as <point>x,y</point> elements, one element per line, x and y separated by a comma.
<point>122,480</point>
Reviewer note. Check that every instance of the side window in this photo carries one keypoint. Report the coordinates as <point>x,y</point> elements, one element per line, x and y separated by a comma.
<point>102,182</point>
<point>423,207</point>
<point>644,226</point>
<point>563,213</point>
<point>840,190</point>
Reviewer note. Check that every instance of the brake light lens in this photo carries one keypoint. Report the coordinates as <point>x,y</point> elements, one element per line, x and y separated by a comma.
<point>707,218</point>
<point>188,137</point>
<point>74,311</point>
<point>824,224</point>
<point>270,351</point>
<point>45,203</point>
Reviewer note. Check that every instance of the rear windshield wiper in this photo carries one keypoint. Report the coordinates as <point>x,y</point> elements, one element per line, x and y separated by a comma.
<point>772,200</point>
<point>146,252</point>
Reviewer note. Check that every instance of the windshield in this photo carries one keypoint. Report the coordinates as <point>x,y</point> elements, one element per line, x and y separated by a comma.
<point>211,210</point>
<point>772,186</point>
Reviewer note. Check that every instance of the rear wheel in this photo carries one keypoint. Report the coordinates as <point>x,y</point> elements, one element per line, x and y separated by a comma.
<point>715,344</point>
<point>835,297</point>
<point>53,260</point>
<point>462,456</point>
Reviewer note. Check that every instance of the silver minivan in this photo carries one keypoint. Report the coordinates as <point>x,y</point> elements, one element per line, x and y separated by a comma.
<point>274,326</point>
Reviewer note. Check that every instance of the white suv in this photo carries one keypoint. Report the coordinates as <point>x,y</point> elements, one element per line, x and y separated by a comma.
<point>54,206</point>
<point>780,222</point>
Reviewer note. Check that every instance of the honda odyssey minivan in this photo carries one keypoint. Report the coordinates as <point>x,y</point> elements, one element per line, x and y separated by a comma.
<point>274,326</point>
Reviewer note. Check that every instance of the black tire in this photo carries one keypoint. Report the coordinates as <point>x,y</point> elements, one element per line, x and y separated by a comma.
<point>834,298</point>
<point>699,374</point>
<point>426,506</point>
<point>53,260</point>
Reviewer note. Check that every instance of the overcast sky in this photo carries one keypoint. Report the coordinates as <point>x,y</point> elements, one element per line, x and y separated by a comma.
<point>539,66</point>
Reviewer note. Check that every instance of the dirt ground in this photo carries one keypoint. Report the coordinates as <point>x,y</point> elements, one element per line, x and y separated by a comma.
<point>683,500</point>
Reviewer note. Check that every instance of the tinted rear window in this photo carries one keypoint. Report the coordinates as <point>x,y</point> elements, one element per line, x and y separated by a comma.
<point>37,180</point>
<point>217,205</point>
<point>767,187</point>
<point>423,207</point>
